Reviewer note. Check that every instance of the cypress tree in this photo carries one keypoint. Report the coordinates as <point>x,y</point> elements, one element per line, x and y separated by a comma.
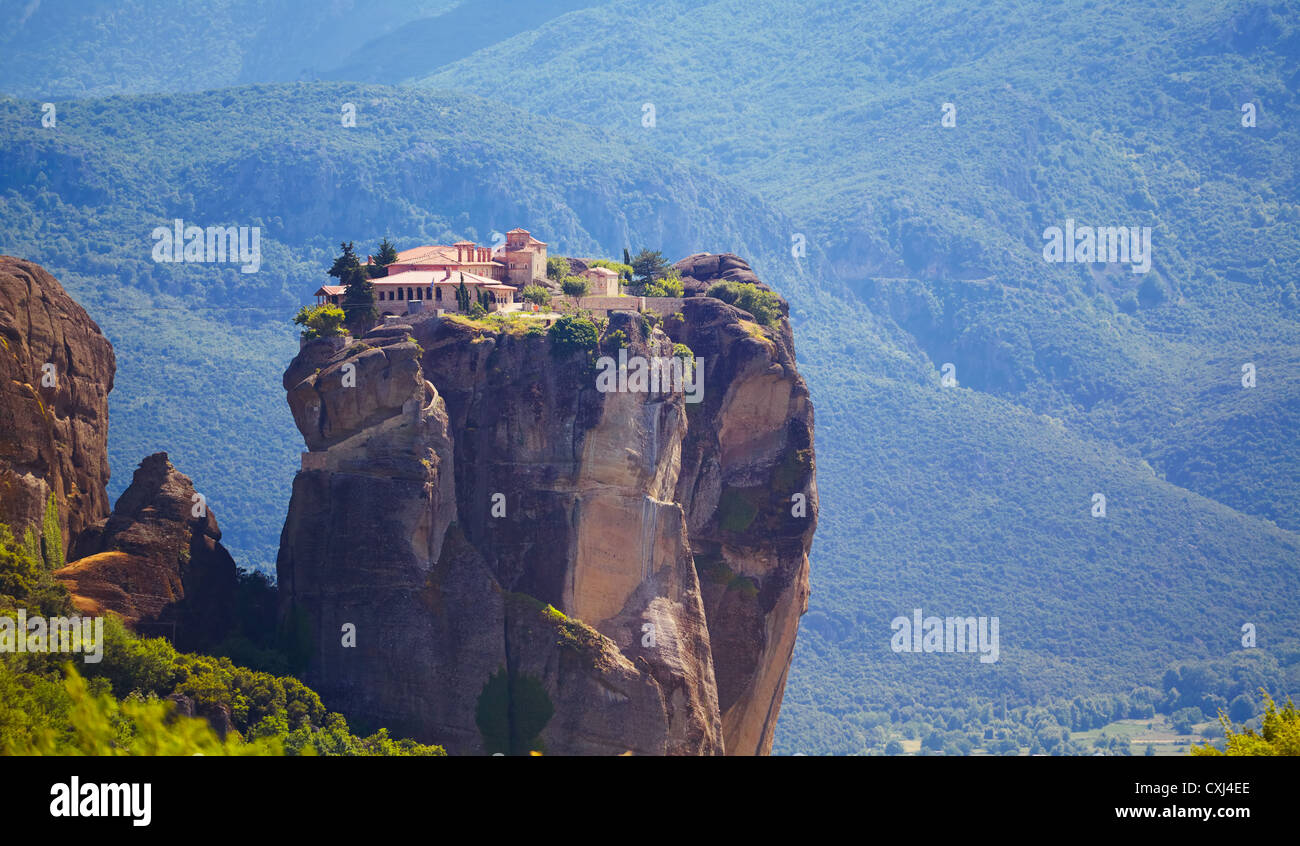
<point>359,298</point>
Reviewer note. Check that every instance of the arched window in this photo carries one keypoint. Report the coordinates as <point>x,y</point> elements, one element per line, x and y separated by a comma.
<point>437,294</point>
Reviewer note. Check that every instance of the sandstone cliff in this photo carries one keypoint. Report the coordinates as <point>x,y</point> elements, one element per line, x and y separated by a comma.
<point>525,562</point>
<point>151,561</point>
<point>157,561</point>
<point>56,369</point>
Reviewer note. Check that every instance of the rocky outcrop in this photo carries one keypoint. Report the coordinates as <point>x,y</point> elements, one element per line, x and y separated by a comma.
<point>747,482</point>
<point>157,561</point>
<point>56,369</point>
<point>486,551</point>
<point>153,560</point>
<point>701,270</point>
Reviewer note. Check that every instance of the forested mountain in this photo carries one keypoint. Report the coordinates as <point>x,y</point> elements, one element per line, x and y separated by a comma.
<point>776,124</point>
<point>207,342</point>
<point>79,48</point>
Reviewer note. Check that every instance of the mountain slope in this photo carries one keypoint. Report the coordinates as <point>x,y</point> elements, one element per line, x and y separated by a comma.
<point>206,340</point>
<point>1110,114</point>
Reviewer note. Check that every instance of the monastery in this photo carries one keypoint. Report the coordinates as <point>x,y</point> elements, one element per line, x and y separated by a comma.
<point>433,274</point>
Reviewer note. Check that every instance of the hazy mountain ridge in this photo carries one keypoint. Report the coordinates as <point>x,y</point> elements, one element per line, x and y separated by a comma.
<point>1103,114</point>
<point>83,199</point>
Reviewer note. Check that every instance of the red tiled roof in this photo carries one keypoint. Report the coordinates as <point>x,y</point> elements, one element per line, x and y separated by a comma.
<point>431,254</point>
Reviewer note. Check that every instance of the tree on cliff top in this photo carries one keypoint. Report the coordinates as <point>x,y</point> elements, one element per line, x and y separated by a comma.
<point>537,294</point>
<point>322,321</point>
<point>359,299</point>
<point>646,265</point>
<point>462,297</point>
<point>378,266</point>
<point>575,286</point>
<point>557,267</point>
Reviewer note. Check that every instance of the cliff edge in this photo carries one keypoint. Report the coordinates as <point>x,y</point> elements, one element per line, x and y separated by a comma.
<point>488,549</point>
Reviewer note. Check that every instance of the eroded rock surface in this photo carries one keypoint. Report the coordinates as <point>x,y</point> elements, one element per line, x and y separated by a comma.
<point>56,369</point>
<point>527,562</point>
<point>157,561</point>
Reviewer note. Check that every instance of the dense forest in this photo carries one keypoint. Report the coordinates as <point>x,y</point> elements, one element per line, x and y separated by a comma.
<point>814,146</point>
<point>121,696</point>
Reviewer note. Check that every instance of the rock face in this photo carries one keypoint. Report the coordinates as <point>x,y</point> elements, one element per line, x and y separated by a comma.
<point>524,561</point>
<point>157,561</point>
<point>703,269</point>
<point>56,369</point>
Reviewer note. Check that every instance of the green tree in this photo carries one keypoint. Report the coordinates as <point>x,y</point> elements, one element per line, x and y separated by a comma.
<point>386,255</point>
<point>557,267</point>
<point>537,294</point>
<point>1279,733</point>
<point>359,298</point>
<point>344,261</point>
<point>51,536</point>
<point>571,333</point>
<point>19,568</point>
<point>1184,718</point>
<point>575,286</point>
<point>646,265</point>
<point>668,285</point>
<point>764,305</point>
<point>322,321</point>
<point>462,297</point>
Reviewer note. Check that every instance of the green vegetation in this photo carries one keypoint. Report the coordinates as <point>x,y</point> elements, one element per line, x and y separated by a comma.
<point>322,321</point>
<point>537,295</point>
<point>515,324</point>
<point>1279,733</point>
<point>51,536</point>
<point>615,341</point>
<point>359,296</point>
<point>557,268</point>
<point>511,712</point>
<point>117,706</point>
<point>572,334</point>
<point>646,266</point>
<point>764,305</point>
<point>576,286</point>
<point>575,634</point>
<point>384,256</point>
<point>736,511</point>
<point>24,575</point>
<point>667,285</point>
